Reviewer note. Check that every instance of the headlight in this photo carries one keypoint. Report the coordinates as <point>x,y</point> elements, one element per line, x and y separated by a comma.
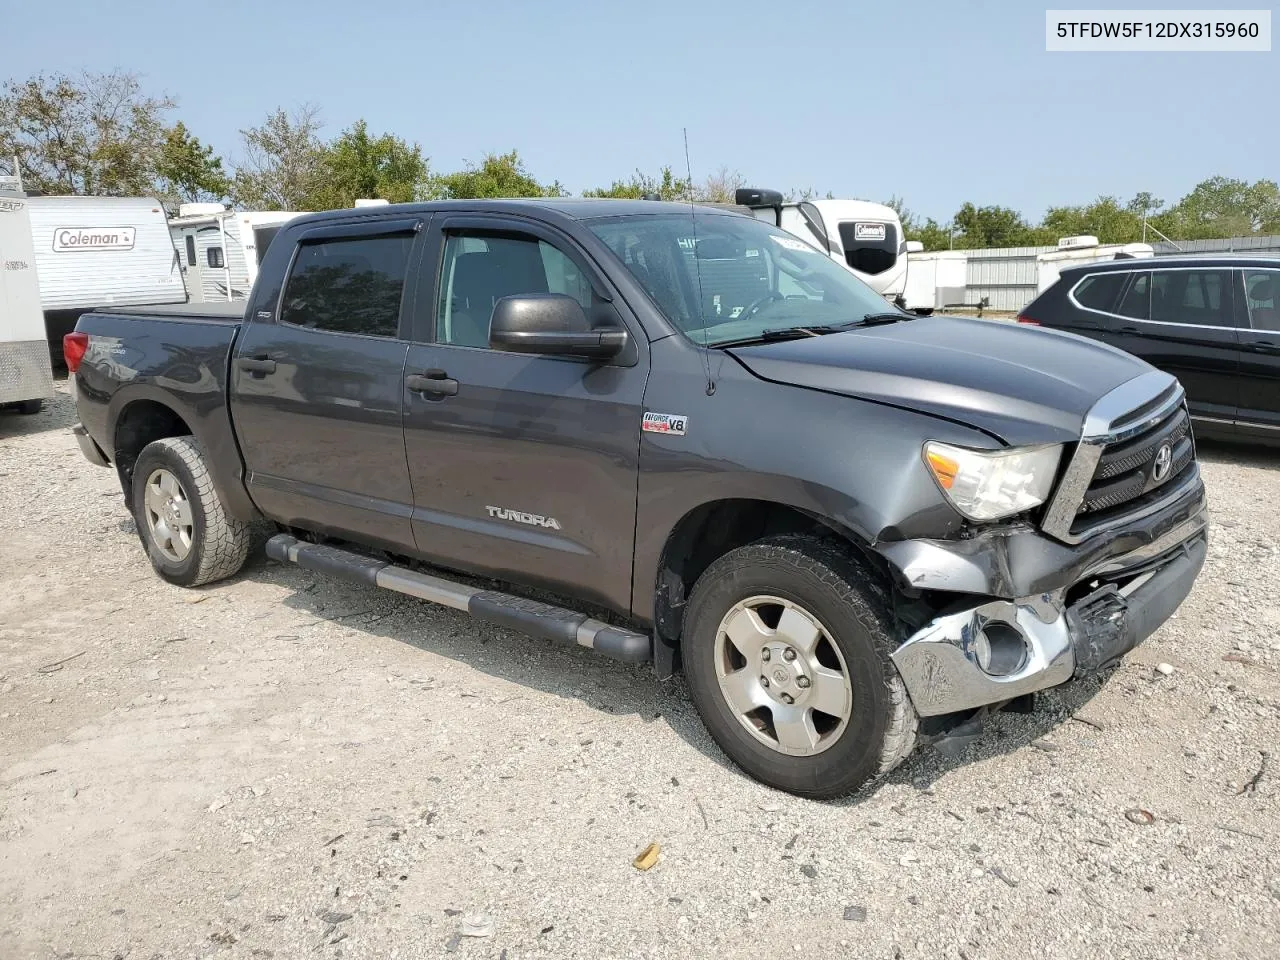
<point>990,484</point>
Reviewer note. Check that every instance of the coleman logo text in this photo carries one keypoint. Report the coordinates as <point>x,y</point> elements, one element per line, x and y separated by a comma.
<point>519,516</point>
<point>92,238</point>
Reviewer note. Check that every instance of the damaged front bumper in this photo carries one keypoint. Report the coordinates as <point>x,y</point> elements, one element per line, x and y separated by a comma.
<point>973,655</point>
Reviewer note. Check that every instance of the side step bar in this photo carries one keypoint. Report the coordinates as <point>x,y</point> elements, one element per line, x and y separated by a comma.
<point>503,609</point>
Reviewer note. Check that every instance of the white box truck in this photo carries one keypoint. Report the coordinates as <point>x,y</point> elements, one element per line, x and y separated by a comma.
<point>101,251</point>
<point>220,249</point>
<point>26,377</point>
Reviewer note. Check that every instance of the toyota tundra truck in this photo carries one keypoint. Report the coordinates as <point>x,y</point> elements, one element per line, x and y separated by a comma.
<point>667,434</point>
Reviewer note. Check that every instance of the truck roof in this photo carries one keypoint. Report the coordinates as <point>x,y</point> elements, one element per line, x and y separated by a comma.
<point>574,208</point>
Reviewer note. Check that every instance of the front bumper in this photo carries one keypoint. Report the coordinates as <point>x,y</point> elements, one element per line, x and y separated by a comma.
<point>92,452</point>
<point>1134,595</point>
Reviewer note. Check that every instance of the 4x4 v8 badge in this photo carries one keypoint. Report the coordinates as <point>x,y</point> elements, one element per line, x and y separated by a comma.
<point>519,516</point>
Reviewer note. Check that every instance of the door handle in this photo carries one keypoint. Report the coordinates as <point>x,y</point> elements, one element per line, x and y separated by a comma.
<point>434,381</point>
<point>260,364</point>
<point>1129,330</point>
<point>1264,346</point>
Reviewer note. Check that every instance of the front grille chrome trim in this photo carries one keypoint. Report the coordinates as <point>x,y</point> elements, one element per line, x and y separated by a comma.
<point>1156,394</point>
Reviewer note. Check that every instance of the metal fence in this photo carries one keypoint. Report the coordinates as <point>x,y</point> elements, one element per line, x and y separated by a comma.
<point>1006,276</point>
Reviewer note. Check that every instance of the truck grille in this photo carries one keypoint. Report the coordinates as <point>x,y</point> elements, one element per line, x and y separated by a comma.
<point>1137,450</point>
<point>1129,470</point>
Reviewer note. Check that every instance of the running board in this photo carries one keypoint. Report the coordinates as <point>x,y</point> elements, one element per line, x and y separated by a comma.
<point>503,609</point>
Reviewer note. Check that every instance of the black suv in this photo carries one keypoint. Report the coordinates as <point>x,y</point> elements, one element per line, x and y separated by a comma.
<point>1213,322</point>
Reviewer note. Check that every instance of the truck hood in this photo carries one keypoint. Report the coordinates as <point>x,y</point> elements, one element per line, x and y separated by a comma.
<point>1020,384</point>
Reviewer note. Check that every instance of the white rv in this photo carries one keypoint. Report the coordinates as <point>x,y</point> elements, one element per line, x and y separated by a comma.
<point>936,279</point>
<point>220,249</point>
<point>101,251</point>
<point>865,237</point>
<point>26,377</point>
<point>1073,251</point>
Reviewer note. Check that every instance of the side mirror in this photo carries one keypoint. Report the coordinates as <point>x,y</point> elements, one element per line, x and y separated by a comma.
<point>915,246</point>
<point>552,324</point>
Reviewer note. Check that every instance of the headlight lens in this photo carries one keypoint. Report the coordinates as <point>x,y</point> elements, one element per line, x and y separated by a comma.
<point>990,484</point>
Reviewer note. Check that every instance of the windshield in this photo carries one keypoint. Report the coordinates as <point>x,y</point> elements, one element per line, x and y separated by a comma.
<point>738,279</point>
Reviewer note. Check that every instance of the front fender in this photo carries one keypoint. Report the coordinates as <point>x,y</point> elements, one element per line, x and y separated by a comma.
<point>854,464</point>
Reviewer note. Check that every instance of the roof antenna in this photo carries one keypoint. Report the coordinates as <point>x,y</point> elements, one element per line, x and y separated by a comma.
<point>697,263</point>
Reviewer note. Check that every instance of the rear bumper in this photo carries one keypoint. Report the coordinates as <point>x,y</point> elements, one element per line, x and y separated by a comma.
<point>941,663</point>
<point>92,452</point>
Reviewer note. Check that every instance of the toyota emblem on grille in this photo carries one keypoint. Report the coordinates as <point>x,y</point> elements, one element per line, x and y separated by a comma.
<point>1163,464</point>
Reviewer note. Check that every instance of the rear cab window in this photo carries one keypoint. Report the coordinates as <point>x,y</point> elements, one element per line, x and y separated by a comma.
<point>348,286</point>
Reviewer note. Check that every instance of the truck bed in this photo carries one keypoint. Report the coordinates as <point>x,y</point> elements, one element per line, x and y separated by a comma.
<point>232,311</point>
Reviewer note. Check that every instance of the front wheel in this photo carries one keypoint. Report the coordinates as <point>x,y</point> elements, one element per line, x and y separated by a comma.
<point>786,647</point>
<point>29,407</point>
<point>187,533</point>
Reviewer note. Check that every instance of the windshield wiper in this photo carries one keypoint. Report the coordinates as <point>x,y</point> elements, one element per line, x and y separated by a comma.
<point>784,333</point>
<point>813,329</point>
<point>888,316</point>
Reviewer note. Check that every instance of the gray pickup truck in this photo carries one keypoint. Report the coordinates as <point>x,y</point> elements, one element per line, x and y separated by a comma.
<point>667,435</point>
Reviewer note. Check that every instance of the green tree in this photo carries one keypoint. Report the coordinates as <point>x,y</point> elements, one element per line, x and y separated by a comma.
<point>1223,207</point>
<point>497,175</point>
<point>1106,218</point>
<point>94,133</point>
<point>356,165</point>
<point>991,227</point>
<point>667,185</point>
<point>284,163</point>
<point>720,186</point>
<point>187,170</point>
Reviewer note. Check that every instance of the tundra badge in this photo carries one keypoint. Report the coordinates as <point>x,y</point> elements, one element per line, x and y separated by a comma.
<point>519,516</point>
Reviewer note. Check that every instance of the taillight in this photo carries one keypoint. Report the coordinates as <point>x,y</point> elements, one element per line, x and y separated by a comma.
<point>74,346</point>
<point>1023,318</point>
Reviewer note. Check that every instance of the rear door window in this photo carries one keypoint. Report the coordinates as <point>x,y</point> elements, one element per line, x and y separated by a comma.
<point>1136,302</point>
<point>348,286</point>
<point>1262,296</point>
<point>1196,297</point>
<point>1100,290</point>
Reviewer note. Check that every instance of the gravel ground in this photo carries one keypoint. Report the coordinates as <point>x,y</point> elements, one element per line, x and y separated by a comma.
<point>285,766</point>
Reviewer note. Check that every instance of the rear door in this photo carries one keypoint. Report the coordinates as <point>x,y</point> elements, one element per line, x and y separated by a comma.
<point>1181,320</point>
<point>1258,293</point>
<point>317,384</point>
<point>524,467</point>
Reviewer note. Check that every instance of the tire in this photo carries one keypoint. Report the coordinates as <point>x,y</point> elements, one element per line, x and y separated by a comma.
<point>29,407</point>
<point>820,588</point>
<point>192,546</point>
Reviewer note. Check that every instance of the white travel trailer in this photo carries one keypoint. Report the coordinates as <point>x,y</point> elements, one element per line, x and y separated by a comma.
<point>220,249</point>
<point>865,237</point>
<point>101,251</point>
<point>935,280</point>
<point>1073,251</point>
<point>26,377</point>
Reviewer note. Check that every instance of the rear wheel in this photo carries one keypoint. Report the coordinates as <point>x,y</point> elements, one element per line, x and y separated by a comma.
<point>29,407</point>
<point>786,646</point>
<point>187,533</point>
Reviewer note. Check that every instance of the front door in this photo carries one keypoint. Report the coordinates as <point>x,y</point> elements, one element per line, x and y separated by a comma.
<point>1259,293</point>
<point>524,467</point>
<point>318,386</point>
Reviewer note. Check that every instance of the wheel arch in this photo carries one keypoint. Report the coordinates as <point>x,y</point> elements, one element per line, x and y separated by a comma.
<point>141,414</point>
<point>141,421</point>
<point>707,532</point>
